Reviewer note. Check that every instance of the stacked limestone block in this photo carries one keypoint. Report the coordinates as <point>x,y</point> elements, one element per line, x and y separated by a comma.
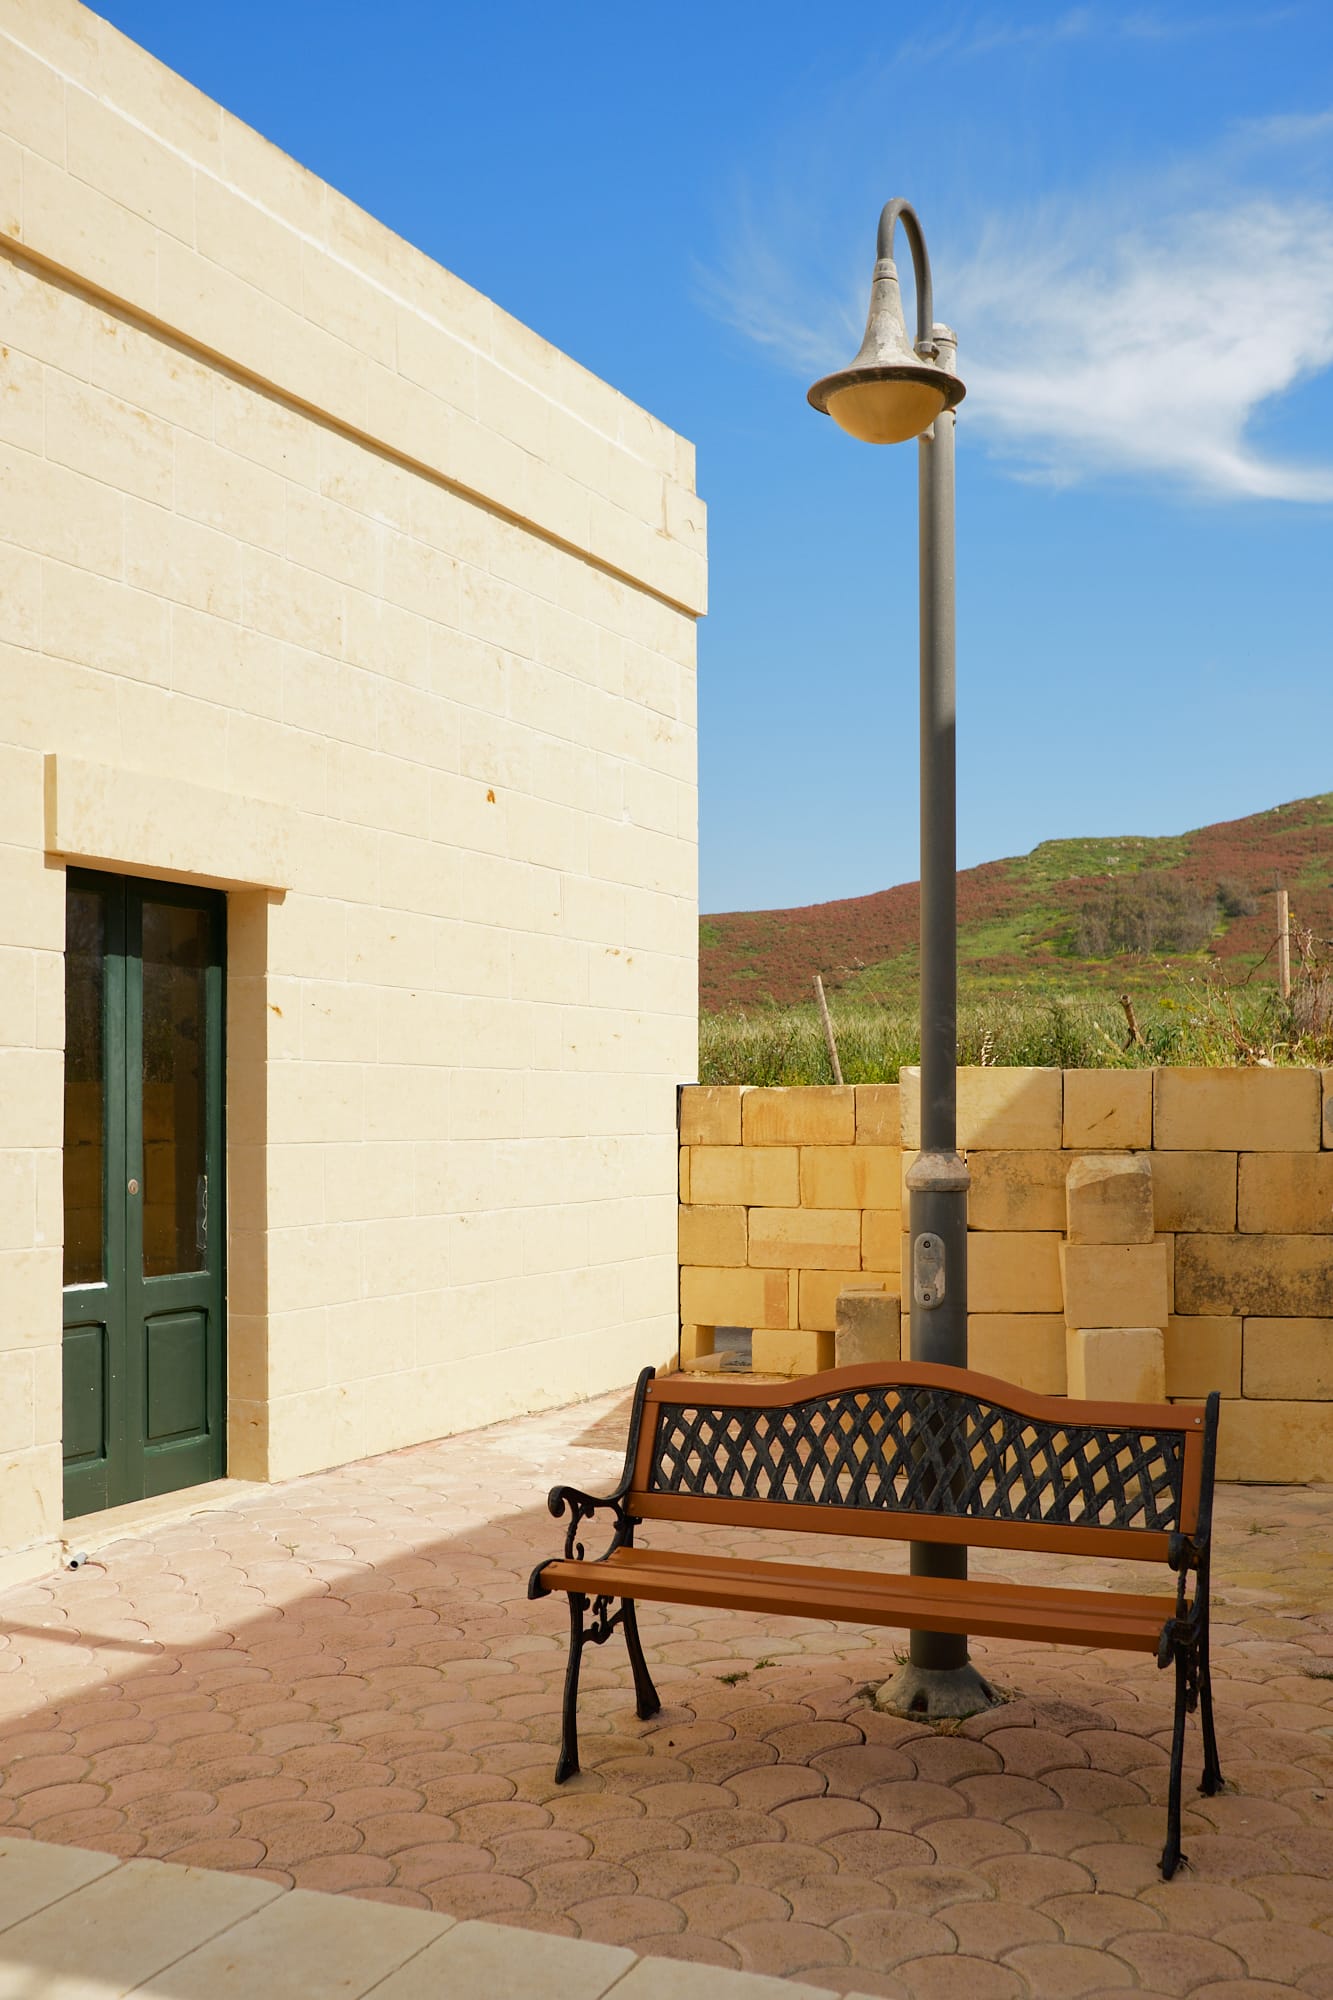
<point>1251,1156</point>
<point>1242,1235</point>
<point>788,1196</point>
<point>1011,1131</point>
<point>1114,1277</point>
<point>1242,1181</point>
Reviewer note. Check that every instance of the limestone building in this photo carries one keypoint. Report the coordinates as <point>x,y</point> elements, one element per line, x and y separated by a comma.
<point>347,819</point>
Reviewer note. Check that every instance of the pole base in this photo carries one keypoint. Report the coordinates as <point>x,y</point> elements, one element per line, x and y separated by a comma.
<point>934,1693</point>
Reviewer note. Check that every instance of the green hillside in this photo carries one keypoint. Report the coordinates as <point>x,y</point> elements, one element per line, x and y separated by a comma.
<point>1084,915</point>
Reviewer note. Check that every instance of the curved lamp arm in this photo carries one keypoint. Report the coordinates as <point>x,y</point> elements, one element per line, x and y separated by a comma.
<point>894,212</point>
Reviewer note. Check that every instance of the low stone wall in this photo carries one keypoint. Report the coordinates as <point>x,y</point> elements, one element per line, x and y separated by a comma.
<point>787,1196</point>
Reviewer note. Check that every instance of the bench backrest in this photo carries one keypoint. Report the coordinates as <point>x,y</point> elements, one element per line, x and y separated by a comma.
<point>921,1452</point>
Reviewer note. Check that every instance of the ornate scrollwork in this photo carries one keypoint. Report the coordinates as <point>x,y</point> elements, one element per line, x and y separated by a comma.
<point>583,1507</point>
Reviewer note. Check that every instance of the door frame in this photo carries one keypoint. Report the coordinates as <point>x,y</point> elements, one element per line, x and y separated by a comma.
<point>125,1298</point>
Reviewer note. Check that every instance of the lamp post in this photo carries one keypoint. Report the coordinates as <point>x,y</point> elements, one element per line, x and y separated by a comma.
<point>891,392</point>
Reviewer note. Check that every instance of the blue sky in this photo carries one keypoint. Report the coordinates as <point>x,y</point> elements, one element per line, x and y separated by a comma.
<point>1130,214</point>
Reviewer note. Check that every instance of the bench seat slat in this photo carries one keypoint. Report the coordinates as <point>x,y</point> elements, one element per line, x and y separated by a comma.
<point>999,1610</point>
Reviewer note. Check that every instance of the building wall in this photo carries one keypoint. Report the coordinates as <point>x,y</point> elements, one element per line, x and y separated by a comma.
<point>788,1195</point>
<point>327,583</point>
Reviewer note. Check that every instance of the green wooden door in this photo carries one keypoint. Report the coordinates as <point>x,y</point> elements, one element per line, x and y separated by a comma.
<point>144,1401</point>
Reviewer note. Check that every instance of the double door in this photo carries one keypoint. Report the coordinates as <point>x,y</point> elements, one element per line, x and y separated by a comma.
<point>144,1402</point>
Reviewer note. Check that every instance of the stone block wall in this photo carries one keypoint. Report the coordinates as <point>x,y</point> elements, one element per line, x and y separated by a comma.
<point>786,1197</point>
<point>330,585</point>
<point>1240,1269</point>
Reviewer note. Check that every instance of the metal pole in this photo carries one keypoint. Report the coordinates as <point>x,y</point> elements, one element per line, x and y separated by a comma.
<point>938,1181</point>
<point>937,1679</point>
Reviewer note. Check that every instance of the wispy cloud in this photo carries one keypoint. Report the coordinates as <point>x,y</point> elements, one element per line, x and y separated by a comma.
<point>992,35</point>
<point>1103,334</point>
<point>1156,351</point>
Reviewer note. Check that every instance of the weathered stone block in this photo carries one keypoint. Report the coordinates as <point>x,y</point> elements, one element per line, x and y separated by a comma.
<point>754,1177</point>
<point>881,1239</point>
<point>1106,1109</point>
<point>1027,1349</point>
<point>1116,1364</point>
<point>849,1176</point>
<point>712,1236</point>
<point>777,1351</point>
<point>1195,1192</point>
<point>696,1344</point>
<point>1014,1110</point>
<point>1202,1354</point>
<point>1282,1194</point>
<point>817,1294</point>
<point>736,1298</point>
<point>1326,1079</point>
<point>1236,1110</point>
<point>710,1114</point>
<point>1281,1276</point>
<point>683,1179</point>
<point>1114,1284</point>
<point>878,1114</point>
<point>868,1326</point>
<point>808,1115</point>
<point>1168,1243</point>
<point>1275,1444</point>
<point>1289,1358</point>
<point>1015,1273</point>
<point>1109,1198</point>
<point>1017,1190</point>
<point>818,1239</point>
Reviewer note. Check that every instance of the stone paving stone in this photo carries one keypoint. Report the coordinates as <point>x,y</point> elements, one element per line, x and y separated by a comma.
<point>1066,1971</point>
<point>662,1979</point>
<point>989,1930</point>
<point>944,1978</point>
<point>31,1877</point>
<point>787,1946</point>
<point>128,1925</point>
<point>478,1958</point>
<point>884,1938</point>
<point>1276,1948</point>
<point>302,1944</point>
<point>1178,1963</point>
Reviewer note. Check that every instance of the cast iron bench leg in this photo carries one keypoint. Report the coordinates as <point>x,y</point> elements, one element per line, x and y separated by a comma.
<point>569,1734</point>
<point>646,1698</point>
<point>1211,1780</point>
<point>1171,1854</point>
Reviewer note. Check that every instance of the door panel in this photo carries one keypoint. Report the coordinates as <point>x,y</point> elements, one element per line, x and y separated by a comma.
<point>176,1377</point>
<point>144,1312</point>
<point>86,1372</point>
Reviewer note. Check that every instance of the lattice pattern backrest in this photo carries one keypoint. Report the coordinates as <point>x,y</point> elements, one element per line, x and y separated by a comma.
<point>922,1451</point>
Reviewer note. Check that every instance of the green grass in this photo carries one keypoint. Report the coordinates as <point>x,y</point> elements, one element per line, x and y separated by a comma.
<point>1200,1021</point>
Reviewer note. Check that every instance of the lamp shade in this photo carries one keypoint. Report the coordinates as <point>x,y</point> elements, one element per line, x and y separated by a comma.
<point>890,392</point>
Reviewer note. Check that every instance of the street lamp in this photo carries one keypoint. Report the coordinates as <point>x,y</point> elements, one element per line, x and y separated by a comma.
<point>891,392</point>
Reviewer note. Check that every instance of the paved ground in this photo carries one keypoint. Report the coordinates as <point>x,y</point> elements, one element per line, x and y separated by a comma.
<point>340,1684</point>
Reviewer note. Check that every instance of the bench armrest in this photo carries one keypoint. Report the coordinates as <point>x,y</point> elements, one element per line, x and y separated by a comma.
<point>583,1507</point>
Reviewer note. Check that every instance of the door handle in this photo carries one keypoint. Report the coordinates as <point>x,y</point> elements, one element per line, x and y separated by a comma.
<point>201,1215</point>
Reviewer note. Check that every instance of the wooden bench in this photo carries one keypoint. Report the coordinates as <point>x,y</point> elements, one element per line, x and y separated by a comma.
<point>914,1453</point>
